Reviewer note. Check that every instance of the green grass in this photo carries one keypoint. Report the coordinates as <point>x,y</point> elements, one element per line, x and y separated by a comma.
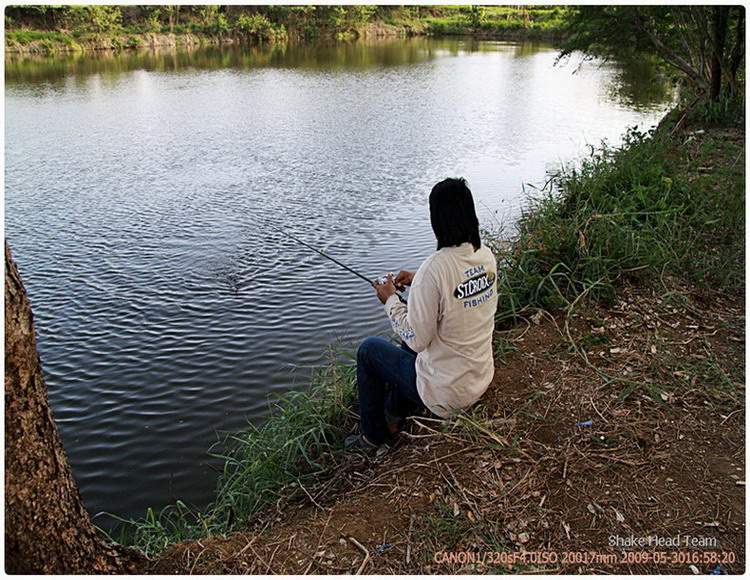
<point>722,112</point>
<point>631,212</point>
<point>703,376</point>
<point>497,20</point>
<point>298,442</point>
<point>449,522</point>
<point>48,40</point>
<point>501,347</point>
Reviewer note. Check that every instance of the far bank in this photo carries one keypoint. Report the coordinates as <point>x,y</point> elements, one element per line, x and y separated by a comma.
<point>61,29</point>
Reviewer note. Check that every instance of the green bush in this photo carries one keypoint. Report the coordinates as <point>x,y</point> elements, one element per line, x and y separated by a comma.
<point>722,112</point>
<point>446,26</point>
<point>96,19</point>
<point>258,27</point>
<point>218,26</point>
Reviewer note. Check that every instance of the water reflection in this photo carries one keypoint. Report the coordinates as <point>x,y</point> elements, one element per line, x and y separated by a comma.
<point>642,82</point>
<point>312,56</point>
<point>639,82</point>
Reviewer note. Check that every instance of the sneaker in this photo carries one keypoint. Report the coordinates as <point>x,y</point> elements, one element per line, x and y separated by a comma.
<point>358,442</point>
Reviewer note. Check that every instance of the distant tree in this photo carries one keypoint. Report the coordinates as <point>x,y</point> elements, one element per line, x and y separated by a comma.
<point>692,39</point>
<point>476,15</point>
<point>47,529</point>
<point>45,17</point>
<point>339,18</point>
<point>172,12</point>
<point>97,19</point>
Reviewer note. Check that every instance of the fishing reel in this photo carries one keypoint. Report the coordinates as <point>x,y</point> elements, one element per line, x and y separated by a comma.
<point>383,279</point>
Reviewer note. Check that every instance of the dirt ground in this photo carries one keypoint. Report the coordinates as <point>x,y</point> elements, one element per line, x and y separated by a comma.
<point>610,441</point>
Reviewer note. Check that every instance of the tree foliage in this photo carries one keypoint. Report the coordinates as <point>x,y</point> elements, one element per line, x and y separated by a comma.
<point>263,22</point>
<point>705,43</point>
<point>97,19</point>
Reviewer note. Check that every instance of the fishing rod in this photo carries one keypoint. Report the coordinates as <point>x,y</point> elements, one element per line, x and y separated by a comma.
<point>334,260</point>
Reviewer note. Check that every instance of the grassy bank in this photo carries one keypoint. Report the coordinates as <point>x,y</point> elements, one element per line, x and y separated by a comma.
<point>51,29</point>
<point>502,22</point>
<point>634,213</point>
<point>661,216</point>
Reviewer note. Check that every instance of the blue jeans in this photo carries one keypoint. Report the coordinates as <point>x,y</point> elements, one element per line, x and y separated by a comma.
<point>386,381</point>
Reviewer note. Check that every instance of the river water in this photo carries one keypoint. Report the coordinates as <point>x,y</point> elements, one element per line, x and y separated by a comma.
<point>142,192</point>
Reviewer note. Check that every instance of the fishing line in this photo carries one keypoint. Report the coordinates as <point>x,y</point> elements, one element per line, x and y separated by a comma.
<point>334,260</point>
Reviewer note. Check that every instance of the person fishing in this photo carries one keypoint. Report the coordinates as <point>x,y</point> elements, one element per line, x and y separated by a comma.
<point>445,360</point>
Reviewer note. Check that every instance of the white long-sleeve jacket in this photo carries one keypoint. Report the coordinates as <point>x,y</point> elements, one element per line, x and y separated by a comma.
<point>449,322</point>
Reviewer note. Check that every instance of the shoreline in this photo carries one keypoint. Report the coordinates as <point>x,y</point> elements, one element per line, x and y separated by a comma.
<point>632,349</point>
<point>56,44</point>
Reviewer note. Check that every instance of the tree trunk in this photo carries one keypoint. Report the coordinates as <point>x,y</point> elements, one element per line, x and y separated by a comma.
<point>738,50</point>
<point>720,20</point>
<point>47,529</point>
<point>646,26</point>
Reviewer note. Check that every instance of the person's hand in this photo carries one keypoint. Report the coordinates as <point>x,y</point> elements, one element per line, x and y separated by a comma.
<point>404,278</point>
<point>385,291</point>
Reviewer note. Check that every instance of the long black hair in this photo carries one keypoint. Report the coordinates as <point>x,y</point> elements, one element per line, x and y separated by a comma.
<point>452,214</point>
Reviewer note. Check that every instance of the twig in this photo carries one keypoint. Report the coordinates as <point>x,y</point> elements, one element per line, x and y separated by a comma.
<point>312,499</point>
<point>428,419</point>
<point>591,398</point>
<point>520,336</point>
<point>195,563</point>
<point>452,454</point>
<point>423,426</point>
<point>268,566</point>
<point>314,560</point>
<point>412,436</point>
<point>520,481</point>
<point>261,560</point>
<point>616,459</point>
<point>408,540</point>
<point>242,551</point>
<point>730,414</point>
<point>366,552</point>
